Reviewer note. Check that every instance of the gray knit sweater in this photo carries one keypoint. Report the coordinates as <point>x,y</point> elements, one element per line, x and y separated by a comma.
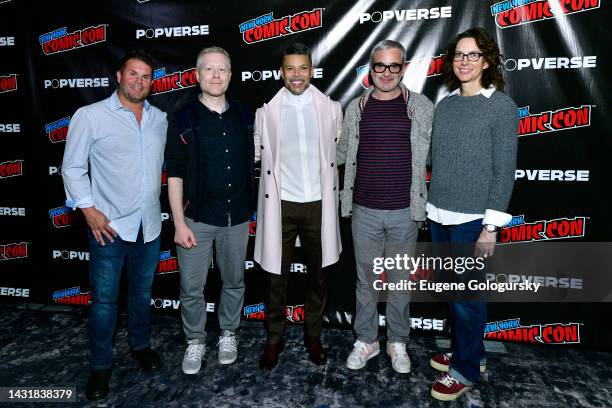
<point>473,153</point>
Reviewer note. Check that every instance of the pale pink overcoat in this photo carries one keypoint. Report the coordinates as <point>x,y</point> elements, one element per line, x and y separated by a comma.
<point>268,238</point>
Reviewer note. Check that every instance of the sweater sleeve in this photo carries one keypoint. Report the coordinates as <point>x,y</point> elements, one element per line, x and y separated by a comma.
<point>176,151</point>
<point>347,123</point>
<point>504,141</point>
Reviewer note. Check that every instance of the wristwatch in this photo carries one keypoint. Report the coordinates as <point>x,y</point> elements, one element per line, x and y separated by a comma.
<point>491,228</point>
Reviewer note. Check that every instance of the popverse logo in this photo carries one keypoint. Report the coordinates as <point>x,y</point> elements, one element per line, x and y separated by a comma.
<point>552,175</point>
<point>10,128</point>
<point>76,83</point>
<point>589,61</point>
<point>407,15</point>
<point>168,32</point>
<point>257,76</point>
<point>7,41</point>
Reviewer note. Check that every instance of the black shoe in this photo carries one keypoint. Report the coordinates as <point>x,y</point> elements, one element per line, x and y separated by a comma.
<point>316,352</point>
<point>97,386</point>
<point>269,358</point>
<point>147,359</point>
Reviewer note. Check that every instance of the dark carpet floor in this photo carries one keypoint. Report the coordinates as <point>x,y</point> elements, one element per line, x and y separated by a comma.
<point>49,348</point>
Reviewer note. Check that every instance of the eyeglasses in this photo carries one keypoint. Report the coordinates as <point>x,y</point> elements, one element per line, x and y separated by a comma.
<point>471,56</point>
<point>379,68</point>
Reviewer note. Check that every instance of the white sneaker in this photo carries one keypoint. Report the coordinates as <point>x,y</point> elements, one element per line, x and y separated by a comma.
<point>192,362</point>
<point>228,347</point>
<point>361,353</point>
<point>399,358</point>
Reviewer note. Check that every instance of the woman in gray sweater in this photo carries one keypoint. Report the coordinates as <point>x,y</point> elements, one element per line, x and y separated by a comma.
<point>473,154</point>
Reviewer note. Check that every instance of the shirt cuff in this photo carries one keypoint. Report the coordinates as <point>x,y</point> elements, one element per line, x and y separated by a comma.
<point>84,202</point>
<point>497,218</point>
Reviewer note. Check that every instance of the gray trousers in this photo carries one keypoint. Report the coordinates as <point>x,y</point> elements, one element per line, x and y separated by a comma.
<point>231,247</point>
<point>382,233</point>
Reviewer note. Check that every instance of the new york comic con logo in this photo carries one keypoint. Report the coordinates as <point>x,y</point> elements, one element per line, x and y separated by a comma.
<point>552,121</point>
<point>61,40</point>
<point>551,333</point>
<point>266,27</point>
<point>510,13</point>
<point>72,296</point>
<point>11,168</point>
<point>432,65</point>
<point>15,250</point>
<point>253,225</point>
<point>58,130</point>
<point>293,313</point>
<point>8,83</point>
<point>167,263</point>
<point>62,217</point>
<point>168,82</point>
<point>560,228</point>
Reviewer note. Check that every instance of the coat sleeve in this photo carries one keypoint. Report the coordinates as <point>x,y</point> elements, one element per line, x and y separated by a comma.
<point>257,129</point>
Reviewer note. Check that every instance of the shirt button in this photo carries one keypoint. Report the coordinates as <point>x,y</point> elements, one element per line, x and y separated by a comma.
<point>332,164</point>
<point>229,201</point>
<point>229,185</point>
<point>228,167</point>
<point>226,150</point>
<point>223,133</point>
<point>268,171</point>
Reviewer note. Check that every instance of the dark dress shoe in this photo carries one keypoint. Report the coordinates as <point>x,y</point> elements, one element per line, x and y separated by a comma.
<point>147,359</point>
<point>97,385</point>
<point>316,351</point>
<point>269,358</point>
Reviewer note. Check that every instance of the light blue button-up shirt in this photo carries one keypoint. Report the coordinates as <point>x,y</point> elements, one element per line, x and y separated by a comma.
<point>115,165</point>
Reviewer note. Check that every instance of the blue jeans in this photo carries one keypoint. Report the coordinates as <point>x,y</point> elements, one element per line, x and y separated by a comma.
<point>467,318</point>
<point>105,264</point>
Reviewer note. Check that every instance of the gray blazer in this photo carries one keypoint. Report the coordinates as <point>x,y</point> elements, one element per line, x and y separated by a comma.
<point>420,111</point>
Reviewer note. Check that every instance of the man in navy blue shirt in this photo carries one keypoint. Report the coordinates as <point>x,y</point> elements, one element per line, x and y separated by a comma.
<point>209,159</point>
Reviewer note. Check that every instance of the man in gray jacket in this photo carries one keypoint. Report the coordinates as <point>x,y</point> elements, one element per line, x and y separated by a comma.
<point>384,145</point>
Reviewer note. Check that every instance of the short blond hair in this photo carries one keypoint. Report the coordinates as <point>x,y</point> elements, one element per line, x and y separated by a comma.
<point>213,50</point>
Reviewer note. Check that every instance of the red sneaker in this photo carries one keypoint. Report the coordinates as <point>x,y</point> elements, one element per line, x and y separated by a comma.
<point>441,362</point>
<point>448,388</point>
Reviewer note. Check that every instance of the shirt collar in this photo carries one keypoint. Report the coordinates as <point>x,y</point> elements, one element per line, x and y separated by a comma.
<point>115,103</point>
<point>296,100</point>
<point>484,92</point>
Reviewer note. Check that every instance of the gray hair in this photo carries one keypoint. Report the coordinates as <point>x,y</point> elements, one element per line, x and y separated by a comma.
<point>386,44</point>
<point>213,50</point>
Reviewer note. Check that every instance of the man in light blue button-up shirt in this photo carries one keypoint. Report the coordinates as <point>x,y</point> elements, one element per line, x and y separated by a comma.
<point>112,172</point>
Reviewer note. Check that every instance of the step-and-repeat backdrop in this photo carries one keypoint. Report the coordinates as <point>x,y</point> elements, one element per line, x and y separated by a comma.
<point>57,56</point>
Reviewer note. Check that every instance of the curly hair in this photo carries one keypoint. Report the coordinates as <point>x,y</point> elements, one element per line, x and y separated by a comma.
<point>490,76</point>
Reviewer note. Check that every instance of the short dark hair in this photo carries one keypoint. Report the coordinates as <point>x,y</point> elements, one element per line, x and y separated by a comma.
<point>140,55</point>
<point>490,76</point>
<point>297,48</point>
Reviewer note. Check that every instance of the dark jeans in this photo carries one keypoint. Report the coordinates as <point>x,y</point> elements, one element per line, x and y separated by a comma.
<point>303,219</point>
<point>467,318</point>
<point>105,264</point>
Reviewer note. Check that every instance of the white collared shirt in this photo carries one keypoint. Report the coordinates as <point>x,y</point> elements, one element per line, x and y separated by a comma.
<point>445,217</point>
<point>300,163</point>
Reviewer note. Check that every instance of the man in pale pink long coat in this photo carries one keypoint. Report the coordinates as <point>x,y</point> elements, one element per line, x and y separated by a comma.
<point>295,136</point>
